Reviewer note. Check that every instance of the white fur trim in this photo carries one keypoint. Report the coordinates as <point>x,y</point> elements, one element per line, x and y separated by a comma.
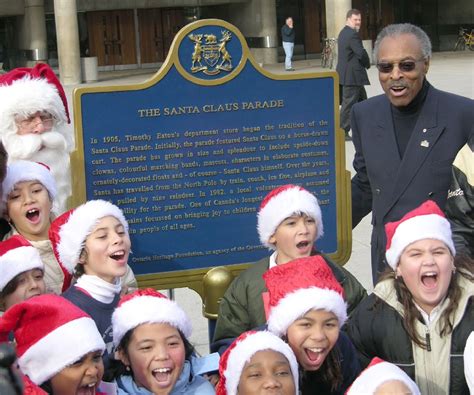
<point>374,376</point>
<point>24,170</point>
<point>296,304</point>
<point>431,226</point>
<point>60,348</point>
<point>247,348</point>
<point>469,362</point>
<point>283,205</point>
<point>73,233</point>
<point>148,309</point>
<point>16,261</point>
<point>25,97</point>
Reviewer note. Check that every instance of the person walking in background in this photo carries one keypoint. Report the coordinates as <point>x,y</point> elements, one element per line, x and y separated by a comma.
<point>288,38</point>
<point>406,139</point>
<point>352,62</point>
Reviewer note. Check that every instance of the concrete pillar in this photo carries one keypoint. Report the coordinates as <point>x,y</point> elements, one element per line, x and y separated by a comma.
<point>67,33</point>
<point>256,20</point>
<point>32,32</point>
<point>336,11</point>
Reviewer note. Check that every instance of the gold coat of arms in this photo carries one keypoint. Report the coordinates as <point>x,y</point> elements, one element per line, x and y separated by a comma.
<point>210,55</point>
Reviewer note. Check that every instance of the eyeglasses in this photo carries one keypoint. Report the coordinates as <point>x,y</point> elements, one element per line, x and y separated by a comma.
<point>27,125</point>
<point>404,66</point>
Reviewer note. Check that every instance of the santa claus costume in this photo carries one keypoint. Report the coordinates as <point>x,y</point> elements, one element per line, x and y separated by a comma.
<point>27,91</point>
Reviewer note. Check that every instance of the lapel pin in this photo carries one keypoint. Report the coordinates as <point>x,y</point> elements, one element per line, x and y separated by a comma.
<point>424,130</point>
<point>425,143</point>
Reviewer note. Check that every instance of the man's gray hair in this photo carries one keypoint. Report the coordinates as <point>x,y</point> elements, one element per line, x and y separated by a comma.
<point>404,28</point>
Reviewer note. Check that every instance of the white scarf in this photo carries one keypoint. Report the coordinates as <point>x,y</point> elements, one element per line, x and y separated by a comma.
<point>99,289</point>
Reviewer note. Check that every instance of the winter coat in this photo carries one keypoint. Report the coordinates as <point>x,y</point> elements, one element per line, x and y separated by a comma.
<point>242,309</point>
<point>460,203</point>
<point>376,329</point>
<point>186,384</point>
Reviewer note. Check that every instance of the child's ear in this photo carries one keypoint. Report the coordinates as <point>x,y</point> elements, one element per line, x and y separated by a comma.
<point>272,239</point>
<point>121,355</point>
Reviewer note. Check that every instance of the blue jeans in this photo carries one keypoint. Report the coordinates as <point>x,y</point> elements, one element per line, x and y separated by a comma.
<point>288,48</point>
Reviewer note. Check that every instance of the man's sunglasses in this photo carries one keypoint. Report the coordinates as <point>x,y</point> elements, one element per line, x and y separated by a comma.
<point>404,66</point>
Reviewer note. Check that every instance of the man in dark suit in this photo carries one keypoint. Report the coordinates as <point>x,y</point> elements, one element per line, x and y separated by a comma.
<point>405,140</point>
<point>352,60</point>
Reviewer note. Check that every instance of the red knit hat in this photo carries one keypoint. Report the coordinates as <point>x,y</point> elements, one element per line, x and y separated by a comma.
<point>69,231</point>
<point>377,373</point>
<point>240,352</point>
<point>51,333</point>
<point>17,255</point>
<point>425,222</point>
<point>147,306</point>
<point>27,90</point>
<point>299,286</point>
<point>283,202</point>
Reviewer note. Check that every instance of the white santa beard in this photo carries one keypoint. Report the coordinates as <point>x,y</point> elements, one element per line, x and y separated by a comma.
<point>48,148</point>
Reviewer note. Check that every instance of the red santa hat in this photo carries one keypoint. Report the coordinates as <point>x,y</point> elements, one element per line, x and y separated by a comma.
<point>299,286</point>
<point>50,333</point>
<point>25,170</point>
<point>240,352</point>
<point>283,202</point>
<point>17,255</point>
<point>377,373</point>
<point>146,306</point>
<point>425,222</point>
<point>24,91</point>
<point>69,231</point>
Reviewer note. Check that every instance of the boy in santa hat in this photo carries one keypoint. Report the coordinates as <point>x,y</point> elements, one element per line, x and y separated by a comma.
<point>92,243</point>
<point>34,123</point>
<point>382,377</point>
<point>58,346</point>
<point>421,312</point>
<point>289,223</point>
<point>258,362</point>
<point>21,272</point>
<point>307,309</point>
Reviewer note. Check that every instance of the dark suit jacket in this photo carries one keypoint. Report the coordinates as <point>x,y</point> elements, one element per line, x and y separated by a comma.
<point>352,58</point>
<point>390,186</point>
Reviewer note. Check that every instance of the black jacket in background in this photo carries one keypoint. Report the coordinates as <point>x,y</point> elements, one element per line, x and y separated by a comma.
<point>352,59</point>
<point>287,34</point>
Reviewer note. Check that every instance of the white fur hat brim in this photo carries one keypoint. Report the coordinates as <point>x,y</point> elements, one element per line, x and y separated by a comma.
<point>283,205</point>
<point>296,304</point>
<point>26,96</point>
<point>59,349</point>
<point>24,170</point>
<point>431,226</point>
<point>247,348</point>
<point>73,233</point>
<point>373,377</point>
<point>148,309</point>
<point>17,261</point>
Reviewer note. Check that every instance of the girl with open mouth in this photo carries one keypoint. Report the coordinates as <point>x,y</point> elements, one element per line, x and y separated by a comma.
<point>58,346</point>
<point>421,312</point>
<point>151,334</point>
<point>307,309</point>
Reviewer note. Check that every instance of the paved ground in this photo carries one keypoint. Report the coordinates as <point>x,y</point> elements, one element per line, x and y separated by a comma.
<point>449,71</point>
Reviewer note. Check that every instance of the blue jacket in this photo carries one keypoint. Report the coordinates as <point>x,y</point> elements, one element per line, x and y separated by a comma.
<point>186,384</point>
